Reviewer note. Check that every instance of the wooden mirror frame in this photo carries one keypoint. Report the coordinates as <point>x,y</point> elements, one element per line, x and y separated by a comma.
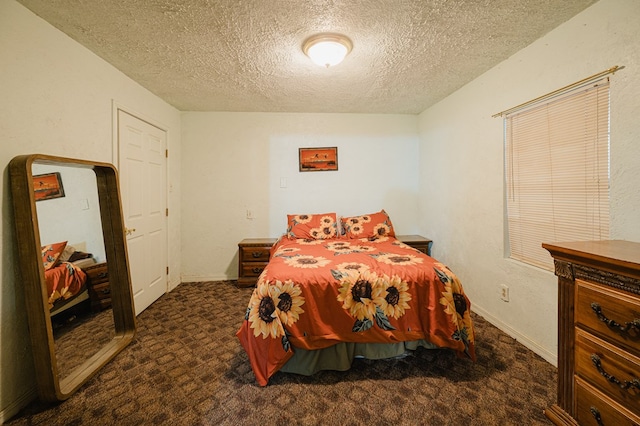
<point>31,272</point>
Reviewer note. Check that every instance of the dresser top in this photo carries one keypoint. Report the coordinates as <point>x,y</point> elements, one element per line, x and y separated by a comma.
<point>613,253</point>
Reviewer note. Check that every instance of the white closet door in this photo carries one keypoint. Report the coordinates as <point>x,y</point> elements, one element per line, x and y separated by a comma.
<point>143,177</point>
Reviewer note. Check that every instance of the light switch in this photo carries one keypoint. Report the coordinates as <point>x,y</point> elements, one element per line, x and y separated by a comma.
<point>84,204</point>
<point>283,182</point>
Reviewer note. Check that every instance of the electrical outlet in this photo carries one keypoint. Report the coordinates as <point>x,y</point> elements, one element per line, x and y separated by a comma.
<point>504,292</point>
<point>249,214</point>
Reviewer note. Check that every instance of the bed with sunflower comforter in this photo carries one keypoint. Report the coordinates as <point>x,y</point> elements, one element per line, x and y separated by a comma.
<point>328,296</point>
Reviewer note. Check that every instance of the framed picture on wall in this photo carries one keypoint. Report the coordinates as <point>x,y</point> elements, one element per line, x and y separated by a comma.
<point>318,159</point>
<point>47,186</point>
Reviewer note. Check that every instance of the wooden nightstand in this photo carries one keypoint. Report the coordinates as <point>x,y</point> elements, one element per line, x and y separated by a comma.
<point>253,257</point>
<point>417,242</point>
<point>98,286</point>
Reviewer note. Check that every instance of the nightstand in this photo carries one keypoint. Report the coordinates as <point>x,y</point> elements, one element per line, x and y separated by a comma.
<point>252,258</point>
<point>417,242</point>
<point>98,286</point>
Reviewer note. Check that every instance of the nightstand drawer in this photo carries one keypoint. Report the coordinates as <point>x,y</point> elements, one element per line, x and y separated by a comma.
<point>424,249</point>
<point>97,273</point>
<point>417,242</point>
<point>102,290</point>
<point>252,269</point>
<point>255,254</point>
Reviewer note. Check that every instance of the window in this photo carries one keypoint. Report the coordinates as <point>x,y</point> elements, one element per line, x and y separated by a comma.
<point>557,172</point>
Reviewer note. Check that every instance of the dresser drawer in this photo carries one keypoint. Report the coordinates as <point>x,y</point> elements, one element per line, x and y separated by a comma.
<point>255,254</point>
<point>610,314</point>
<point>613,371</point>
<point>594,408</point>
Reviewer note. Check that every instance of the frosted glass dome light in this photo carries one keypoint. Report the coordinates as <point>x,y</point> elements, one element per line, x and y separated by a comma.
<point>327,50</point>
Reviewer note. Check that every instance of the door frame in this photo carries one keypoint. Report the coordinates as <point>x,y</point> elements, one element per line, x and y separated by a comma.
<point>115,159</point>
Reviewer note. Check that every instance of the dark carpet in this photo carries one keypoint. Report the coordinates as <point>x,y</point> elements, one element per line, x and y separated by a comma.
<point>186,367</point>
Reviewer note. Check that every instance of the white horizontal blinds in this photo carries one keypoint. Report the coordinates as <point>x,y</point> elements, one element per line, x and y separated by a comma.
<point>557,173</point>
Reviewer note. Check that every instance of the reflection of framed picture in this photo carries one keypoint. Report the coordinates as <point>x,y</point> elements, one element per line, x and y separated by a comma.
<point>318,159</point>
<point>48,186</point>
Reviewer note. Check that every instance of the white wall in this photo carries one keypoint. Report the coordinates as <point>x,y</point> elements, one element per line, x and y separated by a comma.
<point>461,180</point>
<point>236,162</point>
<point>75,217</point>
<point>57,98</point>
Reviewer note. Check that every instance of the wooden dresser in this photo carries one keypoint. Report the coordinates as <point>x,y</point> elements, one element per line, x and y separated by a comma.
<point>417,242</point>
<point>252,258</point>
<point>598,333</point>
<point>98,286</point>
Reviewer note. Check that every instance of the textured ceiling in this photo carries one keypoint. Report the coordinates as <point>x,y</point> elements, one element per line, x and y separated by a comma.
<point>246,55</point>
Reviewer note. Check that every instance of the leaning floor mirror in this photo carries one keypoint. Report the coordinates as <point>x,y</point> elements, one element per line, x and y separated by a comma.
<point>72,263</point>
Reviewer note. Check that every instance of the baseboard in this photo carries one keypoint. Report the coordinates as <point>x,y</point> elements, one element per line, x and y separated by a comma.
<point>173,284</point>
<point>203,278</point>
<point>544,353</point>
<point>18,404</point>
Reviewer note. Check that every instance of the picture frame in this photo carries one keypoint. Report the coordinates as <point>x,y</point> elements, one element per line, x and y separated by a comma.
<point>48,186</point>
<point>318,159</point>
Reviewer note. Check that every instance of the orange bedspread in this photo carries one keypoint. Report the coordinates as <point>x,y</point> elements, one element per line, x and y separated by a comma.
<point>316,293</point>
<point>64,281</point>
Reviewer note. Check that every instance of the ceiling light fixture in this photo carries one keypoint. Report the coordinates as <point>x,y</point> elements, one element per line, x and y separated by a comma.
<point>327,49</point>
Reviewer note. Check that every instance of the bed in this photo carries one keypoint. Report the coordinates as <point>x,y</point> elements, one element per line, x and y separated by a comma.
<point>333,291</point>
<point>64,277</point>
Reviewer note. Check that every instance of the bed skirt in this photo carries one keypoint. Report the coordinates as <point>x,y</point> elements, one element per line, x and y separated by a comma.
<point>340,356</point>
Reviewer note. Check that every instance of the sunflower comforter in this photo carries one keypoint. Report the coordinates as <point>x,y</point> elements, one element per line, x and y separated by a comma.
<point>64,281</point>
<point>316,293</point>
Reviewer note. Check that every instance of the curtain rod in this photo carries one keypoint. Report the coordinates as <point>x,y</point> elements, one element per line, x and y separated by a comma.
<point>561,90</point>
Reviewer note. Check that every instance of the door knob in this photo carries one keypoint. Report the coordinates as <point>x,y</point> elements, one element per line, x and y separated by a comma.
<point>129,231</point>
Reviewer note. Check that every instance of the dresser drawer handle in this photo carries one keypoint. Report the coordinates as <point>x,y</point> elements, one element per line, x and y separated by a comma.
<point>635,324</point>
<point>596,415</point>
<point>635,383</point>
<point>257,270</point>
<point>256,254</point>
<point>103,275</point>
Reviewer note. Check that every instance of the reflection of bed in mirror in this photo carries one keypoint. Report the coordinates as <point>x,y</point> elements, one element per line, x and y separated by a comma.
<point>79,300</point>
<point>73,264</point>
<point>67,279</point>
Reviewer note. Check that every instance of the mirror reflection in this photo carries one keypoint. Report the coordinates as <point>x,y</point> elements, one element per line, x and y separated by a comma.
<point>73,253</point>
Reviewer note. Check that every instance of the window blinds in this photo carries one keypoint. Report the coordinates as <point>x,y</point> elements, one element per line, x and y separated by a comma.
<point>557,172</point>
